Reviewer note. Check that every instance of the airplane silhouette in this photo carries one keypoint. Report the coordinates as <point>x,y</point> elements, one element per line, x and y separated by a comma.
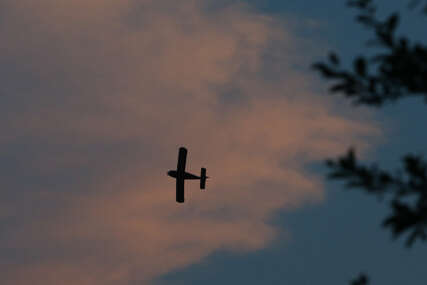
<point>180,175</point>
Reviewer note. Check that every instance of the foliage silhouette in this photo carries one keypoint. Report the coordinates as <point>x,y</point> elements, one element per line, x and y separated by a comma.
<point>397,70</point>
<point>410,183</point>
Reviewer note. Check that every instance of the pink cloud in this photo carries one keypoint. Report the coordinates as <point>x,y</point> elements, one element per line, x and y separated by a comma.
<point>117,93</point>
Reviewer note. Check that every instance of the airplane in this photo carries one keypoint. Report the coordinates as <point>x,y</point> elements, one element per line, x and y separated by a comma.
<point>180,175</point>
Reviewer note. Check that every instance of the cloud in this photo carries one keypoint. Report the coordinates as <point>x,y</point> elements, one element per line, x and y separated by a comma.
<point>97,98</point>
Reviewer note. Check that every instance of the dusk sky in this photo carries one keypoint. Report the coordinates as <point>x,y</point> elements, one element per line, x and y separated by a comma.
<point>96,97</point>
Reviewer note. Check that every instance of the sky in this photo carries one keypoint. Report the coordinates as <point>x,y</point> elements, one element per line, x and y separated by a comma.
<point>96,98</point>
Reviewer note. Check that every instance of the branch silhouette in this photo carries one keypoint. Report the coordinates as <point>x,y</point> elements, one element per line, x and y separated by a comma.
<point>407,188</point>
<point>396,70</point>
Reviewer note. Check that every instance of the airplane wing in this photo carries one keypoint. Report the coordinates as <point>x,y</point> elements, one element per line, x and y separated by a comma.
<point>182,158</point>
<point>180,190</point>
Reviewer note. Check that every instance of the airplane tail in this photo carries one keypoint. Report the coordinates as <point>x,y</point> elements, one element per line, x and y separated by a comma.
<point>203,178</point>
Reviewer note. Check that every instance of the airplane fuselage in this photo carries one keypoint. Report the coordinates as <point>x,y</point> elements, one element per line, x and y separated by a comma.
<point>185,175</point>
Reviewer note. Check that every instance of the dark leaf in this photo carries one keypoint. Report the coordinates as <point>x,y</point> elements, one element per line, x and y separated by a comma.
<point>392,22</point>
<point>333,58</point>
<point>360,66</point>
<point>361,280</point>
